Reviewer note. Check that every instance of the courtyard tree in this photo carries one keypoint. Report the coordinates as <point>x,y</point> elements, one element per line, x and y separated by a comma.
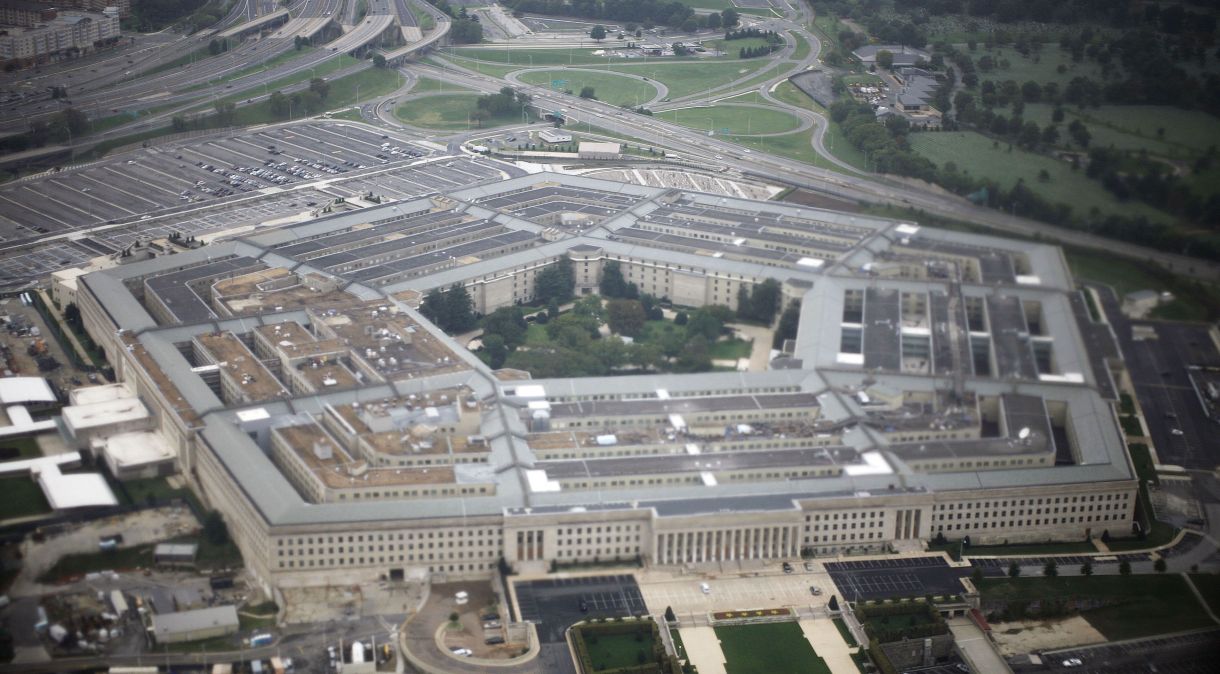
<point>1014,570</point>
<point>598,33</point>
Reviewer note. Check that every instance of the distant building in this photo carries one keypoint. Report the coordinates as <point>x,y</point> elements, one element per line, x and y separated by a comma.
<point>204,623</point>
<point>554,136</point>
<point>600,150</point>
<point>903,55</point>
<point>175,554</point>
<point>24,14</point>
<point>68,35</point>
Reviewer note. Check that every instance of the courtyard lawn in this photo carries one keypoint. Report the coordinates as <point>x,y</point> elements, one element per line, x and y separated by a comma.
<point>737,119</point>
<point>19,448</point>
<point>613,89</point>
<point>22,498</point>
<point>1141,605</point>
<point>447,111</point>
<point>730,349</point>
<point>614,651</point>
<point>770,648</point>
<point>979,156</point>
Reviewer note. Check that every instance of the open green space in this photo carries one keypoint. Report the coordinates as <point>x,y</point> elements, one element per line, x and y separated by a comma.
<point>1208,585</point>
<point>613,89</point>
<point>737,119</point>
<point>770,648</point>
<point>730,349</point>
<point>718,5</point>
<point>1160,130</point>
<point>981,157</point>
<point>733,47</point>
<point>693,77</point>
<point>350,114</point>
<point>1041,66</point>
<point>449,112</point>
<point>1193,301</point>
<point>22,498</point>
<point>529,58</point>
<point>290,55</point>
<point>802,47</point>
<point>612,651</point>
<point>427,85</point>
<point>19,448</point>
<point>1132,606</point>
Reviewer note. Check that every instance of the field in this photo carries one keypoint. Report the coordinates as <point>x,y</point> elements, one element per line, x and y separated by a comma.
<point>836,141</point>
<point>773,648</point>
<point>425,85</point>
<point>448,112</point>
<point>980,157</point>
<point>614,89</point>
<point>693,77</point>
<point>528,58</point>
<point>1185,133</point>
<point>1041,67</point>
<point>22,498</point>
<point>1143,605</point>
<point>737,119</point>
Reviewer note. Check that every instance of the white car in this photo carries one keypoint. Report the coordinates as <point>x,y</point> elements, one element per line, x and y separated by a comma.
<point>1073,662</point>
<point>462,652</point>
<point>705,588</point>
<point>1176,431</point>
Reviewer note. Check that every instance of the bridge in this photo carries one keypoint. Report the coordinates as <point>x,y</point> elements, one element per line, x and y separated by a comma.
<point>260,24</point>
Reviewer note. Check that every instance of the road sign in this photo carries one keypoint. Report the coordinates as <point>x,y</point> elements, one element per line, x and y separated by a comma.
<point>558,84</point>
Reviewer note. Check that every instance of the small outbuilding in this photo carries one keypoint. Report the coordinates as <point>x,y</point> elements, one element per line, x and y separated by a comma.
<point>204,623</point>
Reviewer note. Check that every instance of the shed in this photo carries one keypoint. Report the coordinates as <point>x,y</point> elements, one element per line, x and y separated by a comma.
<point>204,623</point>
<point>175,554</point>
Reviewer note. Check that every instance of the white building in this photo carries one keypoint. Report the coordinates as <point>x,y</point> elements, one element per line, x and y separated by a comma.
<point>69,34</point>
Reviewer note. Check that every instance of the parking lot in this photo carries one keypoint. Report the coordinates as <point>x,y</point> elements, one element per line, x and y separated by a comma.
<point>898,577</point>
<point>1183,653</point>
<point>214,184</point>
<point>1179,426</point>
<point>554,604</point>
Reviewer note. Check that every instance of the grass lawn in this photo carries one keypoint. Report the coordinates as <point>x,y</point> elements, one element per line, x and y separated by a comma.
<point>1187,133</point>
<point>350,114</point>
<point>527,58</point>
<point>447,111</point>
<point>836,140</point>
<point>535,335</point>
<point>613,89</point>
<point>1041,67</point>
<point>738,119</point>
<point>771,648</point>
<point>1142,605</point>
<point>19,448</point>
<point>213,645</point>
<point>426,85</point>
<point>22,498</point>
<point>1142,458</point>
<point>718,5</point>
<point>1208,585</point>
<point>844,632</point>
<point>1193,301</point>
<point>679,646</point>
<point>695,76</point>
<point>802,47</point>
<point>731,349</point>
<point>978,156</point>
<point>733,47</point>
<point>614,651</point>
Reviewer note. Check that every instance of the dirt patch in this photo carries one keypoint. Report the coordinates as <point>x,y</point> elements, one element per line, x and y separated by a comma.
<point>1027,636</point>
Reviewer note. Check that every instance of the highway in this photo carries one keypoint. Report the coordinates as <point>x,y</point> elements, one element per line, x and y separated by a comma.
<point>855,186</point>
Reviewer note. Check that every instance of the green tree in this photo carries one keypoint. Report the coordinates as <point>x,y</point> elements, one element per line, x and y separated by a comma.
<point>695,356</point>
<point>496,350</point>
<point>214,529</point>
<point>612,282</point>
<point>729,18</point>
<point>885,59</point>
<point>1159,565</point>
<point>1051,569</point>
<point>833,604</point>
<point>788,323</point>
<point>714,21</point>
<point>705,324</point>
<point>598,33</point>
<point>378,61</point>
<point>1014,569</point>
<point>625,317</point>
<point>508,324</point>
<point>588,92</point>
<point>556,282</point>
<point>435,308</point>
<point>278,103</point>
<point>320,87</point>
<point>459,310</point>
<point>1124,568</point>
<point>1086,569</point>
<point>225,112</point>
<point>669,614</point>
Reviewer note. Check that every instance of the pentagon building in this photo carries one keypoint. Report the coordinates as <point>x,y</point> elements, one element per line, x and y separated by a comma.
<point>940,382</point>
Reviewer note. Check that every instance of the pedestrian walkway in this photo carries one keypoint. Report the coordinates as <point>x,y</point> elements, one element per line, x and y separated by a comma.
<point>703,649</point>
<point>828,644</point>
<point>976,648</point>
